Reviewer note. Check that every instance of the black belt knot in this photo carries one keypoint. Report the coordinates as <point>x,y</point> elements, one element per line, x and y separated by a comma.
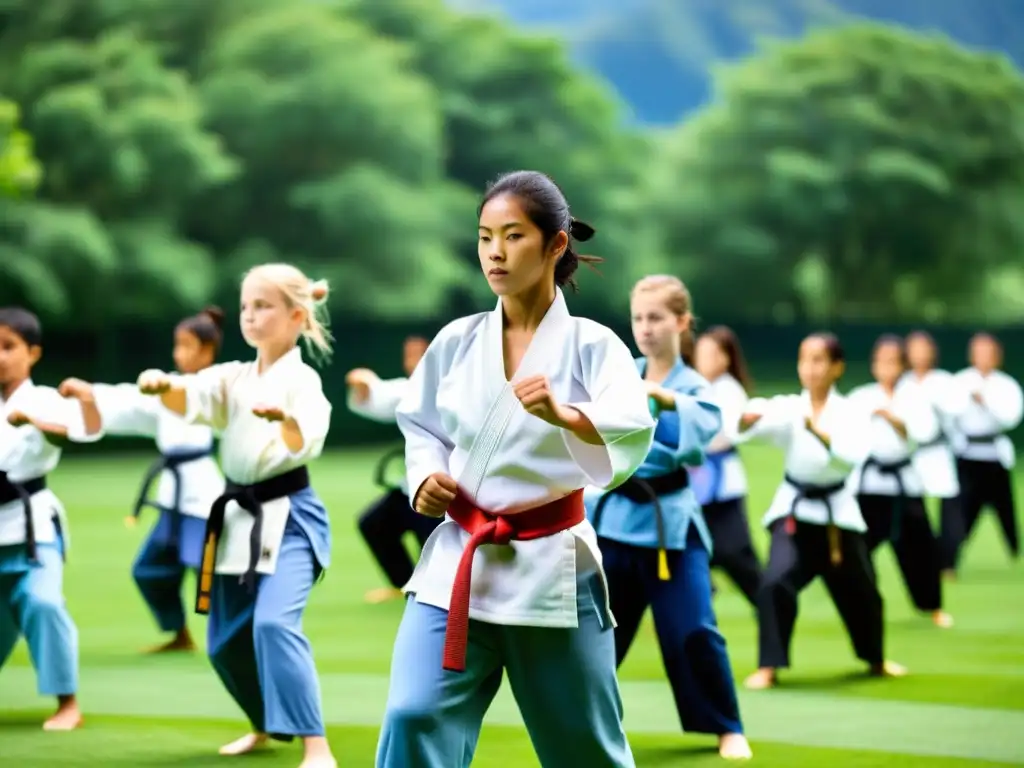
<point>251,498</point>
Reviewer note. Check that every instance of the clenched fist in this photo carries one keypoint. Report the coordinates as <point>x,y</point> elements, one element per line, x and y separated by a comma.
<point>435,495</point>
<point>76,388</point>
<point>534,392</point>
<point>153,382</point>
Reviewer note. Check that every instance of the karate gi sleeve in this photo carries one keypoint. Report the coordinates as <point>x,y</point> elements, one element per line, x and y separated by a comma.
<point>618,409</point>
<point>383,400</point>
<point>311,410</point>
<point>126,411</point>
<point>207,394</point>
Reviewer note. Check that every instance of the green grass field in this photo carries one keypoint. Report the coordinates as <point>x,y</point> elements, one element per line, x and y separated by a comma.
<point>962,705</point>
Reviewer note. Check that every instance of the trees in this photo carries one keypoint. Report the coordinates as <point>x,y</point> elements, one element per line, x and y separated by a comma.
<point>187,141</point>
<point>20,171</point>
<point>864,172</point>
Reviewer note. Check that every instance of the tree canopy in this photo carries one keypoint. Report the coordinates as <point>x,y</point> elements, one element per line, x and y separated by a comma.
<point>858,173</point>
<point>865,172</point>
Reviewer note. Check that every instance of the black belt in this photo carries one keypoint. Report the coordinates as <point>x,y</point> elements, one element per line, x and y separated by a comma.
<point>983,439</point>
<point>171,462</point>
<point>648,490</point>
<point>822,493</point>
<point>892,469</point>
<point>251,499</point>
<point>380,473</point>
<point>23,491</point>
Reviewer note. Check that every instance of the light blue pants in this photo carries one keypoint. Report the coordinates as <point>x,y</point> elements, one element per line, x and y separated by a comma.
<point>563,680</point>
<point>257,647</point>
<point>32,604</point>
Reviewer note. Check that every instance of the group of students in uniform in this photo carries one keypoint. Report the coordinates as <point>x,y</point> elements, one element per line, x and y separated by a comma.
<point>558,488</point>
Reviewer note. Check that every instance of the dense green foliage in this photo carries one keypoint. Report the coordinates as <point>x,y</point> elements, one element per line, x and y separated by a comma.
<point>863,171</point>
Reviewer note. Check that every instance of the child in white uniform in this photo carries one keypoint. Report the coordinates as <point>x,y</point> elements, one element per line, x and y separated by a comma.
<point>268,536</point>
<point>34,423</point>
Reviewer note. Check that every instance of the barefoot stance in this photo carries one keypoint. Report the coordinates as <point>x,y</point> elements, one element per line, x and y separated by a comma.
<point>888,669</point>
<point>762,679</point>
<point>942,619</point>
<point>244,745</point>
<point>734,746</point>
<point>382,595</point>
<point>180,642</point>
<point>67,717</point>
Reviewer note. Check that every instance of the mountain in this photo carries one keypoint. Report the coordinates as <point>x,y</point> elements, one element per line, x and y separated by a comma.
<point>659,54</point>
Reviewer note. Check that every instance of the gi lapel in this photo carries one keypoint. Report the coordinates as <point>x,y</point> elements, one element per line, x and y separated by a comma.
<point>547,340</point>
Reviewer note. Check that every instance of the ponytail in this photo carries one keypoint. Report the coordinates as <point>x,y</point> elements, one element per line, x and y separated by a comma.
<point>570,261</point>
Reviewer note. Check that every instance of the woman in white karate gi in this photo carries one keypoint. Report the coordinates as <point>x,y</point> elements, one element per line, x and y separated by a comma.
<point>985,454</point>
<point>934,460</point>
<point>890,489</point>
<point>35,422</point>
<point>189,478</point>
<point>721,481</point>
<point>268,536</point>
<point>508,416</point>
<point>391,516</point>
<point>815,524</point>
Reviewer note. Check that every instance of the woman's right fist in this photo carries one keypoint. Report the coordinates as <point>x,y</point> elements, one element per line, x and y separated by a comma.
<point>435,495</point>
<point>153,382</point>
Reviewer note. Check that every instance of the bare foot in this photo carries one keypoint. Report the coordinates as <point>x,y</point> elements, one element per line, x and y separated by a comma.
<point>180,642</point>
<point>734,746</point>
<point>762,679</point>
<point>942,619</point>
<point>246,744</point>
<point>67,717</point>
<point>888,669</point>
<point>382,595</point>
<point>317,753</point>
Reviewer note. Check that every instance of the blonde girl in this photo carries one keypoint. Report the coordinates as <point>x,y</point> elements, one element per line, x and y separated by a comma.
<point>269,527</point>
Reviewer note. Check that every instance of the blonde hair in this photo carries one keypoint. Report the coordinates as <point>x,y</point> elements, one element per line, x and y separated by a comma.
<point>678,301</point>
<point>309,295</point>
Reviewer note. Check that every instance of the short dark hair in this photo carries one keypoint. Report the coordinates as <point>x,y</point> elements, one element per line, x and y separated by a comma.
<point>545,205</point>
<point>24,323</point>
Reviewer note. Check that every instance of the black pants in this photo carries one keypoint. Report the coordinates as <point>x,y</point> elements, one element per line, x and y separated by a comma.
<point>982,483</point>
<point>733,550</point>
<point>903,522</point>
<point>693,650</point>
<point>793,563</point>
<point>951,532</point>
<point>383,526</point>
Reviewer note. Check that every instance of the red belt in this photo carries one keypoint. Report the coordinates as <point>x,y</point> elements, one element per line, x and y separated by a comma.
<point>487,528</point>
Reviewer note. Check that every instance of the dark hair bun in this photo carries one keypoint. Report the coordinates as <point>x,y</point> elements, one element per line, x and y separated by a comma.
<point>216,314</point>
<point>580,230</point>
